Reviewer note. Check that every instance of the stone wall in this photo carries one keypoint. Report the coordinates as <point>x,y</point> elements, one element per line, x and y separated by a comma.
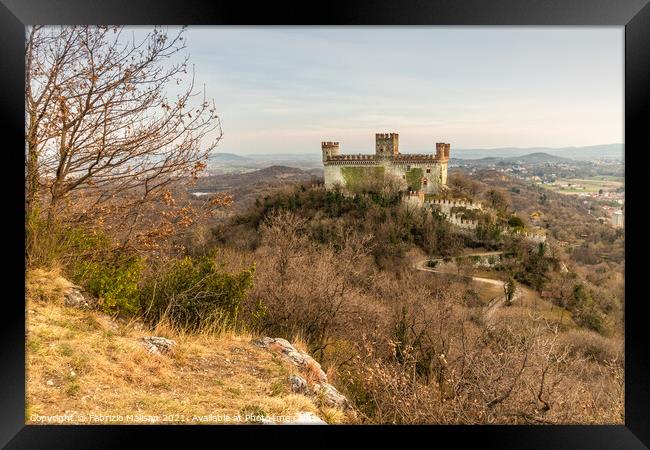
<point>433,167</point>
<point>333,176</point>
<point>462,223</point>
<point>445,205</point>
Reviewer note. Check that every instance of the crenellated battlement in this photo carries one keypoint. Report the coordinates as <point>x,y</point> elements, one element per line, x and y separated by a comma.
<point>460,222</point>
<point>426,171</point>
<point>330,149</point>
<point>452,203</point>
<point>415,156</point>
<point>386,135</point>
<point>353,157</point>
<point>386,145</point>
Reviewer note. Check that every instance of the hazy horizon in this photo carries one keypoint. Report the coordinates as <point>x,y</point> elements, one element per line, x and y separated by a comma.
<point>286,89</point>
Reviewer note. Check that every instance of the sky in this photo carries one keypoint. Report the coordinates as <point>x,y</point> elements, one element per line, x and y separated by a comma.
<point>286,89</point>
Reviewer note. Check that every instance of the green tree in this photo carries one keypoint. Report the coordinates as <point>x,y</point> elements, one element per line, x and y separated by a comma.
<point>516,222</point>
<point>509,289</point>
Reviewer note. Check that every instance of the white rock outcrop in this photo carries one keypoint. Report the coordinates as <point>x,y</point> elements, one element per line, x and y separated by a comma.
<point>314,380</point>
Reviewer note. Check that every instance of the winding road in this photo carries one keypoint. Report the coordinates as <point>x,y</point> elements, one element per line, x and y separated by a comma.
<point>495,303</point>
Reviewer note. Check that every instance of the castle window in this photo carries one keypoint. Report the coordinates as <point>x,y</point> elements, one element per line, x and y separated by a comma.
<point>428,170</point>
<point>403,177</point>
<point>425,181</point>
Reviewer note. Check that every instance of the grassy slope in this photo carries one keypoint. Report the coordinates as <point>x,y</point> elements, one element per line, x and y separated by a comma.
<point>82,362</point>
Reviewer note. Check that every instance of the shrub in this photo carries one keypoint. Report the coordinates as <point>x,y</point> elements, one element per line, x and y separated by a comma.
<point>49,243</point>
<point>196,293</point>
<point>516,222</point>
<point>592,319</point>
<point>114,282</point>
<point>593,345</point>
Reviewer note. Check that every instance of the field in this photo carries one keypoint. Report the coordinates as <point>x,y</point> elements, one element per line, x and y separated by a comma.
<point>586,185</point>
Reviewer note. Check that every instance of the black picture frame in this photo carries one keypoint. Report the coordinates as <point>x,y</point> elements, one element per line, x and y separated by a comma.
<point>634,15</point>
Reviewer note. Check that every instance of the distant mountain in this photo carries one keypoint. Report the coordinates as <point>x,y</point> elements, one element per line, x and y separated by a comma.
<point>276,172</point>
<point>301,157</point>
<point>536,158</point>
<point>266,176</point>
<point>609,151</point>
<point>227,157</point>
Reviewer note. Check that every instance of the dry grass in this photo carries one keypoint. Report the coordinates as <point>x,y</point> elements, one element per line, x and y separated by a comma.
<point>81,362</point>
<point>46,285</point>
<point>594,346</point>
<point>529,306</point>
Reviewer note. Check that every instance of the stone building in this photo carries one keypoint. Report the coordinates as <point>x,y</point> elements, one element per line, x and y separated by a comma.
<point>618,219</point>
<point>419,172</point>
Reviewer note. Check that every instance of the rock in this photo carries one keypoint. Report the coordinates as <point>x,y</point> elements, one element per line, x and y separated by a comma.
<point>158,345</point>
<point>298,384</point>
<point>331,396</point>
<point>315,382</point>
<point>298,358</point>
<point>75,298</point>
<point>49,383</point>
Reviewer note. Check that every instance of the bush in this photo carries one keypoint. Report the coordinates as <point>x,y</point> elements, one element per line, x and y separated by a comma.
<point>516,222</point>
<point>592,319</point>
<point>114,282</point>
<point>52,243</point>
<point>196,293</point>
<point>432,263</point>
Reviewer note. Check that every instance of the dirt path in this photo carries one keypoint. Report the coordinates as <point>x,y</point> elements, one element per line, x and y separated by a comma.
<point>494,304</point>
<point>422,265</point>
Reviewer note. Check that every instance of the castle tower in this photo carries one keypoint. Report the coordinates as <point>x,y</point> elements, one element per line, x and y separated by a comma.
<point>330,149</point>
<point>440,150</point>
<point>386,145</point>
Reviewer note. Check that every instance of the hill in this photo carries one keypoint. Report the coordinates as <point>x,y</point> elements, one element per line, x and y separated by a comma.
<point>232,163</point>
<point>536,158</point>
<point>95,369</point>
<point>227,157</point>
<point>245,187</point>
<point>267,176</point>
<point>609,151</point>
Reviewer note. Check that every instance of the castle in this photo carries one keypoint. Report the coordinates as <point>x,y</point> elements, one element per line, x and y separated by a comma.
<point>419,172</point>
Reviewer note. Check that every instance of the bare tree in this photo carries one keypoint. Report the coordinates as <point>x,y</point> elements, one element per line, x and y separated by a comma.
<point>102,133</point>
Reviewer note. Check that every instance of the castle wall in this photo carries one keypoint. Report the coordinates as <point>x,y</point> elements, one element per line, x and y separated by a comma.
<point>333,176</point>
<point>436,177</point>
<point>420,172</point>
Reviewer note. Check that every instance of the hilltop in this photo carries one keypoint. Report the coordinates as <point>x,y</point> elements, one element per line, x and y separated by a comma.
<point>245,187</point>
